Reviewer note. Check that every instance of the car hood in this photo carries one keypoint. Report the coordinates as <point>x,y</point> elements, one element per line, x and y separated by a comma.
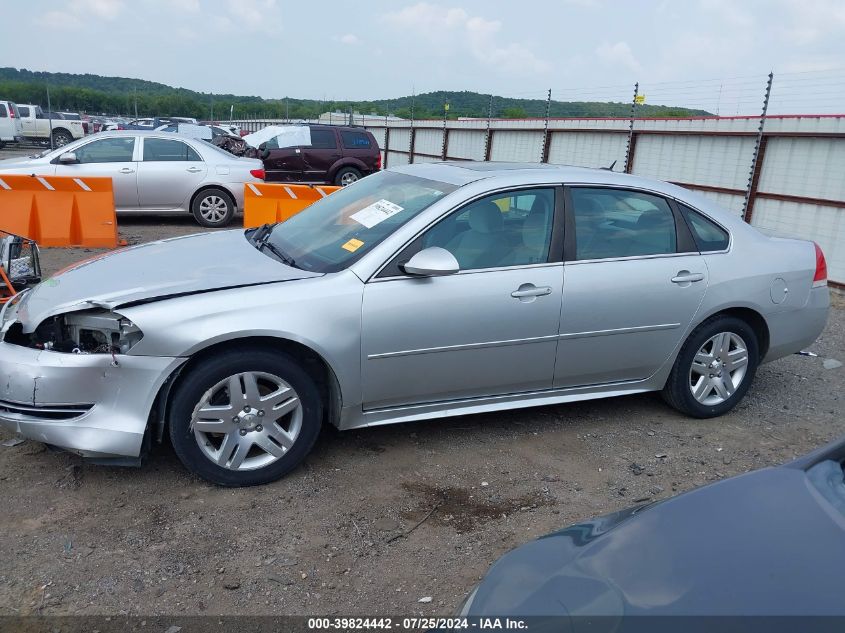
<point>158,270</point>
<point>744,546</point>
<point>19,162</point>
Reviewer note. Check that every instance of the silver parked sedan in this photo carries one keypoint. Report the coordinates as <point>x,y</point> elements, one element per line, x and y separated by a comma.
<point>153,172</point>
<point>420,292</point>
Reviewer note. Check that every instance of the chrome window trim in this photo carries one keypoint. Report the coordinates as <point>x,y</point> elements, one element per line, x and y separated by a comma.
<point>576,262</point>
<point>471,271</point>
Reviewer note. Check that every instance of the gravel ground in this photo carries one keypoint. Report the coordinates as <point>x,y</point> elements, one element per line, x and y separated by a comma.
<point>375,519</point>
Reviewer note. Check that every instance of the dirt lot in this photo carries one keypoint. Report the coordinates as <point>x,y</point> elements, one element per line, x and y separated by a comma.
<point>81,539</point>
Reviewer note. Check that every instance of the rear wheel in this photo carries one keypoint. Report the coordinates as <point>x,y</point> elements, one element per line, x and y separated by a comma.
<point>347,176</point>
<point>714,368</point>
<point>245,417</point>
<point>61,138</point>
<point>213,208</point>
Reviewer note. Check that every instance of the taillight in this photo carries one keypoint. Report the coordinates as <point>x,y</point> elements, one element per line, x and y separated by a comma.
<point>11,113</point>
<point>378,161</point>
<point>257,173</point>
<point>820,278</point>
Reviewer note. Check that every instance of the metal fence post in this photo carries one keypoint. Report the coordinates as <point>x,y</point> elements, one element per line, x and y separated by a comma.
<point>445,143</point>
<point>544,154</point>
<point>386,136</point>
<point>629,147</point>
<point>757,159</point>
<point>488,133</point>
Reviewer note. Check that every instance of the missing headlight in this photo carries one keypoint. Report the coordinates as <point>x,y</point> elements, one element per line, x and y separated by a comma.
<point>88,332</point>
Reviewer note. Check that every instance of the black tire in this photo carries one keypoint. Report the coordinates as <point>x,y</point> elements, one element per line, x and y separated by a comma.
<point>2,144</point>
<point>346,176</point>
<point>61,138</point>
<point>678,393</point>
<point>213,208</point>
<point>193,386</point>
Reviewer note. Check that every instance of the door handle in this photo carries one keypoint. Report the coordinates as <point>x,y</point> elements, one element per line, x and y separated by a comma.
<point>686,277</point>
<point>194,170</point>
<point>530,290</point>
<point>126,170</point>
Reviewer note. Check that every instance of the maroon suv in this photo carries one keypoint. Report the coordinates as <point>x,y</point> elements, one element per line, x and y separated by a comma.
<point>337,155</point>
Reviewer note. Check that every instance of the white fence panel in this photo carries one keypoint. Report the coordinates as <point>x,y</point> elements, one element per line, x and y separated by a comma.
<point>517,146</point>
<point>811,167</point>
<point>400,138</point>
<point>428,141</point>
<point>588,149</point>
<point>394,159</point>
<point>718,161</point>
<point>466,144</point>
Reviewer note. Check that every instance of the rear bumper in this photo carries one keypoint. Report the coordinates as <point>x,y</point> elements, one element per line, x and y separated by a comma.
<point>80,402</point>
<point>795,330</point>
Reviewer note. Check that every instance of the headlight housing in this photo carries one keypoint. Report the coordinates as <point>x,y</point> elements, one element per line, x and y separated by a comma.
<point>85,332</point>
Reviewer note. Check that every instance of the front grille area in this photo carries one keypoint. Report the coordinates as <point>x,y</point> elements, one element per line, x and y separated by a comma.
<point>44,411</point>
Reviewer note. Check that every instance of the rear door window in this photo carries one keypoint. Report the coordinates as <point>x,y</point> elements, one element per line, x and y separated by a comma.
<point>161,149</point>
<point>612,223</point>
<point>323,139</point>
<point>355,140</point>
<point>708,235</point>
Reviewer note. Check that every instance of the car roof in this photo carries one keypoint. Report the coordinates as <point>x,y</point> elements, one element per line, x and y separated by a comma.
<point>462,173</point>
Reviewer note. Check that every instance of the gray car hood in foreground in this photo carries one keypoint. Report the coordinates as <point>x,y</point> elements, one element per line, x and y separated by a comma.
<point>762,544</point>
<point>172,267</point>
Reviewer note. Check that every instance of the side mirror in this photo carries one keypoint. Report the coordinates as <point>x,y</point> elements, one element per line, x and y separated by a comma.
<point>432,262</point>
<point>68,157</point>
<point>265,154</point>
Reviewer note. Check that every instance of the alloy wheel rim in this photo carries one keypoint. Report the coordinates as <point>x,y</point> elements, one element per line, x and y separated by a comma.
<point>718,368</point>
<point>347,179</point>
<point>247,421</point>
<point>213,208</point>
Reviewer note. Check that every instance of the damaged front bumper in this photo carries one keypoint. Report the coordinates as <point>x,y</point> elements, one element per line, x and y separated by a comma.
<point>90,404</point>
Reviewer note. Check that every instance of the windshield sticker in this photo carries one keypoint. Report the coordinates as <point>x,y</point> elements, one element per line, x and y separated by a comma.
<point>352,245</point>
<point>376,213</point>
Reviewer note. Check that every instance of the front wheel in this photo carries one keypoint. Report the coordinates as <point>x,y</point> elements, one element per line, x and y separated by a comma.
<point>347,176</point>
<point>213,208</point>
<point>245,417</point>
<point>714,368</point>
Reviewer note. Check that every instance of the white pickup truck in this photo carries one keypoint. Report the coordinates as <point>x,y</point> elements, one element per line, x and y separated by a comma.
<point>37,126</point>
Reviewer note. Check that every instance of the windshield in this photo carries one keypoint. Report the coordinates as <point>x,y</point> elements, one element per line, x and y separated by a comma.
<point>337,230</point>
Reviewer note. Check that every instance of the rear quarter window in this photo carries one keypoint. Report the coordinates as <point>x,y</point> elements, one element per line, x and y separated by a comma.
<point>24,111</point>
<point>3,112</point>
<point>355,140</point>
<point>708,235</point>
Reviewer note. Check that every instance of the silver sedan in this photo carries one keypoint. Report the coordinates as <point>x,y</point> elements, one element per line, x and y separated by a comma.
<point>153,172</point>
<point>424,291</point>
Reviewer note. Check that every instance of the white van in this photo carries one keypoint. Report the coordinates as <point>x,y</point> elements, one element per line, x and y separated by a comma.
<point>10,123</point>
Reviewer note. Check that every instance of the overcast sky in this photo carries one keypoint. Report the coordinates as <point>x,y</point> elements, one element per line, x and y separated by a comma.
<point>369,49</point>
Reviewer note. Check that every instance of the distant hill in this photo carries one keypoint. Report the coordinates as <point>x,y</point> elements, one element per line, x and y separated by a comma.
<point>95,94</point>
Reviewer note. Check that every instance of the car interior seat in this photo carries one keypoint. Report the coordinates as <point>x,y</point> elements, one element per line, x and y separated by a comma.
<point>655,233</point>
<point>484,244</point>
